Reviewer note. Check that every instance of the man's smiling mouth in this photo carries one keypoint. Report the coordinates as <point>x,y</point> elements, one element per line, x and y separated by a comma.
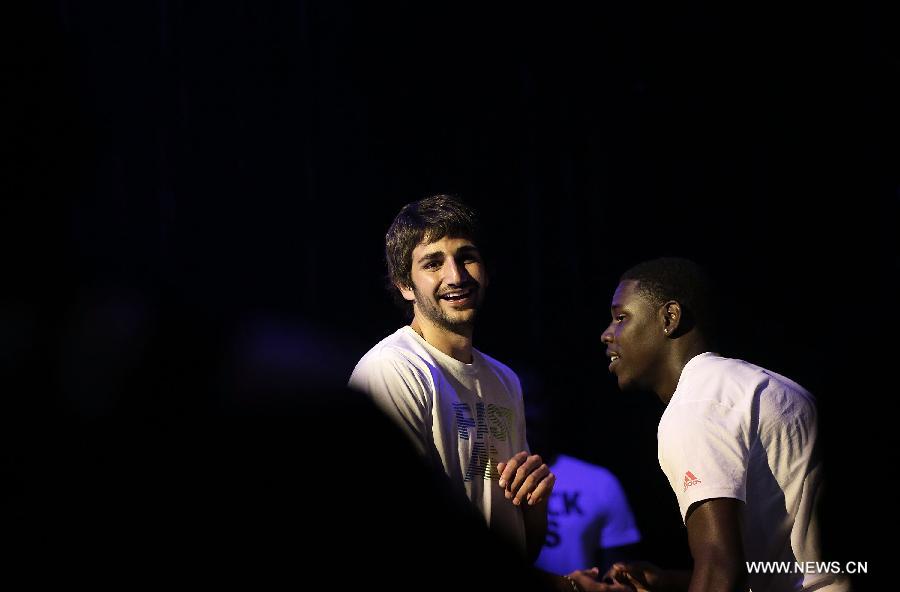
<point>457,295</point>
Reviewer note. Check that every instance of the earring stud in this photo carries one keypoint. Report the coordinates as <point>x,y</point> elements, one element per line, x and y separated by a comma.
<point>666,331</point>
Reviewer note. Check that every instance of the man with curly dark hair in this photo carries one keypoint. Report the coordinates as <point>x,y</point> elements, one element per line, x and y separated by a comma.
<point>462,409</point>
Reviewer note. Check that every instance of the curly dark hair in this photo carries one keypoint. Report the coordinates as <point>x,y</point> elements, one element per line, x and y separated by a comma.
<point>426,220</point>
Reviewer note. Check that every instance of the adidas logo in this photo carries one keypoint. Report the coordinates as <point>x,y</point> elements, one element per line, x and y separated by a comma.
<point>690,479</point>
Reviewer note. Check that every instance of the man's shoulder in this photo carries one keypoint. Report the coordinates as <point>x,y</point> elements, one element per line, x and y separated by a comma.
<point>494,362</point>
<point>399,346</point>
<point>729,393</point>
<point>498,366</point>
<point>721,380</point>
<point>710,364</point>
<point>395,360</point>
<point>712,390</point>
<point>749,378</point>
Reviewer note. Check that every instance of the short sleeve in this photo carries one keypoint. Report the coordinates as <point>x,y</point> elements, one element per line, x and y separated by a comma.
<point>399,388</point>
<point>703,451</point>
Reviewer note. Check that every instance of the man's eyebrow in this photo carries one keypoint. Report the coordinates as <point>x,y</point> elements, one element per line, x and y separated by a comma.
<point>468,249</point>
<point>431,256</point>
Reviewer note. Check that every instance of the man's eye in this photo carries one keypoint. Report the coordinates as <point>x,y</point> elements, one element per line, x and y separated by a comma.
<point>619,318</point>
<point>431,265</point>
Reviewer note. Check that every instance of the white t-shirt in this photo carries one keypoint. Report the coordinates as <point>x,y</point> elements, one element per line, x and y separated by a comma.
<point>465,418</point>
<point>736,430</point>
<point>587,510</point>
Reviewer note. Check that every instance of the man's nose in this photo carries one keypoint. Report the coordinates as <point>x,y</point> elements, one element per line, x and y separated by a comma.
<point>456,273</point>
<point>607,336</point>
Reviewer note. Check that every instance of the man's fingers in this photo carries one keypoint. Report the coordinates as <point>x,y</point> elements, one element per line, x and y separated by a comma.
<point>610,574</point>
<point>542,491</point>
<point>618,572</point>
<point>529,464</point>
<point>536,486</point>
<point>501,468</point>
<point>526,479</point>
<point>634,582</point>
<point>508,469</point>
<point>529,483</point>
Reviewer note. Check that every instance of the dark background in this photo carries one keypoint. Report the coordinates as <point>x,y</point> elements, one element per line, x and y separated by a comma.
<point>197,196</point>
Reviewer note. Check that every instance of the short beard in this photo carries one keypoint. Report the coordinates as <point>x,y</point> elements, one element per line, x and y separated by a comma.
<point>434,313</point>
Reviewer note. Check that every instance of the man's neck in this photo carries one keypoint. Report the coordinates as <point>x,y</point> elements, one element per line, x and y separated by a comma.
<point>681,353</point>
<point>453,344</point>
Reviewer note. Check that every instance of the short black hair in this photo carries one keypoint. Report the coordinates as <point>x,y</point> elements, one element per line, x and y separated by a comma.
<point>685,281</point>
<point>426,220</point>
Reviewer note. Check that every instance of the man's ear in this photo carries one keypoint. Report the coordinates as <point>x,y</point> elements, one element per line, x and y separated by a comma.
<point>406,292</point>
<point>671,317</point>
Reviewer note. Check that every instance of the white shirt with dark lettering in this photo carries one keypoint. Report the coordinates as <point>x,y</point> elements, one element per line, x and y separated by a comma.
<point>735,430</point>
<point>587,510</point>
<point>465,418</point>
